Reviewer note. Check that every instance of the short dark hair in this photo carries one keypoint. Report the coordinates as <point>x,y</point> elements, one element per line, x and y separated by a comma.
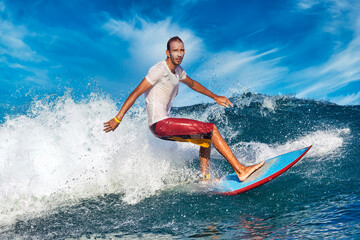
<point>173,39</point>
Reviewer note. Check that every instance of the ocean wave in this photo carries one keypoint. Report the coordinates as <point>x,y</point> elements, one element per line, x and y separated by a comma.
<point>57,153</point>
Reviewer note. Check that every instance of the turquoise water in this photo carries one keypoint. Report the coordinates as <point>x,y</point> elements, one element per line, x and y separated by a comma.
<point>61,177</point>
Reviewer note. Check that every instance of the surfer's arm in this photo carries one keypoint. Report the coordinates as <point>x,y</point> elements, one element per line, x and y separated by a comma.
<point>139,90</point>
<point>223,101</point>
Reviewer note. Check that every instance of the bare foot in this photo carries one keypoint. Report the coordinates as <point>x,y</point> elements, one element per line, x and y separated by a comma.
<point>248,171</point>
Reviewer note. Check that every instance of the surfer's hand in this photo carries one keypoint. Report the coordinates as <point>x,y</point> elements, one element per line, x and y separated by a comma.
<point>223,101</point>
<point>110,125</point>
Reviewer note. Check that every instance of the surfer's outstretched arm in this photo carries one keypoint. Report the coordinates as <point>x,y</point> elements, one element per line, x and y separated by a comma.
<point>139,90</point>
<point>223,101</point>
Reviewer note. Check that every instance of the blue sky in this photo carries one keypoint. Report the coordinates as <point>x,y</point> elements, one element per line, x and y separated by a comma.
<point>309,48</point>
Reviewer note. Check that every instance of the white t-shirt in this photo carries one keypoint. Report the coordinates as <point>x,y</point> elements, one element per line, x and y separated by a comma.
<point>160,96</point>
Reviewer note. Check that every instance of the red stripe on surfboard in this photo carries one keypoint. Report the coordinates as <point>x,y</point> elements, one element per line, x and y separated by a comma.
<point>265,180</point>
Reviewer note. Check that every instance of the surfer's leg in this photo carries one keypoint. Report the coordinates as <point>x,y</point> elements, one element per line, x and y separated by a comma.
<point>187,130</point>
<point>223,148</point>
<point>204,156</point>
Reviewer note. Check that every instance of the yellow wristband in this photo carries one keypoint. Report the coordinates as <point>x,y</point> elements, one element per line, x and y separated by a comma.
<point>117,120</point>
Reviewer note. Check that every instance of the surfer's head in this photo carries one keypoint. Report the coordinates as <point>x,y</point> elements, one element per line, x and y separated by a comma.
<point>175,50</point>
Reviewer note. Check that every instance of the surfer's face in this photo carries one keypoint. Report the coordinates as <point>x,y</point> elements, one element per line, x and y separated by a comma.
<point>176,52</point>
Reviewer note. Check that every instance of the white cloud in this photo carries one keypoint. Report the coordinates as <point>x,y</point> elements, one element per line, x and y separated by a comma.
<point>335,13</point>
<point>16,54</point>
<point>342,67</point>
<point>12,43</point>
<point>147,41</point>
<point>40,76</point>
<point>351,99</point>
<point>246,69</point>
<point>307,4</point>
<point>2,6</point>
<point>333,6</point>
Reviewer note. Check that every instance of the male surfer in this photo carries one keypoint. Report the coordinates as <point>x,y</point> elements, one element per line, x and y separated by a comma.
<point>160,87</point>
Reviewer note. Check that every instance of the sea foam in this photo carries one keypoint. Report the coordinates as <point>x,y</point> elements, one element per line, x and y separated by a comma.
<point>58,154</point>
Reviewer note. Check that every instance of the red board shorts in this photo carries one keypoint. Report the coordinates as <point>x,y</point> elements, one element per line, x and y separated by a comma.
<point>184,130</point>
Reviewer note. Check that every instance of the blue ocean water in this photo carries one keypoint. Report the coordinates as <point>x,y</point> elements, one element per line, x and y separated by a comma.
<point>61,177</point>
